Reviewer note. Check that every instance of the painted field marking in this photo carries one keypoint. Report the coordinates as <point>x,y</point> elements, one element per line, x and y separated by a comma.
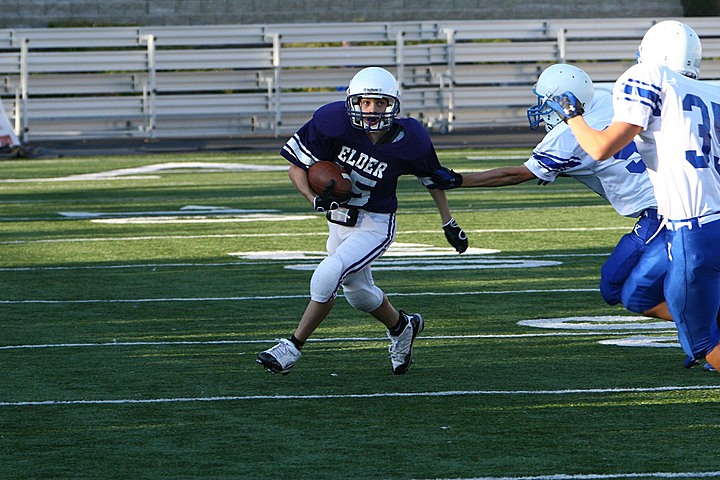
<point>447,393</point>
<point>262,258</point>
<point>634,329</point>
<point>285,297</point>
<point>601,476</point>
<point>151,171</point>
<point>610,322</point>
<point>116,343</point>
<point>290,234</point>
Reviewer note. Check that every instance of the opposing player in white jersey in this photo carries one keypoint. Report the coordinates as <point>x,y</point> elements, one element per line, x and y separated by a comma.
<point>634,272</point>
<point>365,136</point>
<point>675,120</point>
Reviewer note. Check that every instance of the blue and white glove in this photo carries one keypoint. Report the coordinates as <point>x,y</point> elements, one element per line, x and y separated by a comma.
<point>567,106</point>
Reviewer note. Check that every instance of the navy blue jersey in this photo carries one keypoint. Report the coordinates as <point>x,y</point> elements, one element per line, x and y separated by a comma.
<point>373,168</point>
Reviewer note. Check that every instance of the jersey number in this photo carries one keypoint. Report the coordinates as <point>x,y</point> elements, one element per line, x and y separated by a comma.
<point>361,189</point>
<point>703,158</point>
<point>637,166</point>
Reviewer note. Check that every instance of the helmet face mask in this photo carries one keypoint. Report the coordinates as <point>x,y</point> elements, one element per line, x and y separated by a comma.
<point>542,113</point>
<point>372,83</point>
<point>674,45</point>
<point>555,80</point>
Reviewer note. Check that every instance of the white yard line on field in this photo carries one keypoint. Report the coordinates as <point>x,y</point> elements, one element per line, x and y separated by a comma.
<point>151,171</point>
<point>307,234</point>
<point>600,476</point>
<point>115,343</point>
<point>285,297</point>
<point>296,256</point>
<point>447,393</point>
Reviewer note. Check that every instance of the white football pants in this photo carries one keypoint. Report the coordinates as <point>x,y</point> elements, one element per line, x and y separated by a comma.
<point>351,250</point>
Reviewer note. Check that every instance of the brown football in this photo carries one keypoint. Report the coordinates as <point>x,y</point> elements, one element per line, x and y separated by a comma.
<point>320,173</point>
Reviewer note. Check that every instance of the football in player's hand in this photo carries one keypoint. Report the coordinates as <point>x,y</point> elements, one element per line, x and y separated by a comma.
<point>320,173</point>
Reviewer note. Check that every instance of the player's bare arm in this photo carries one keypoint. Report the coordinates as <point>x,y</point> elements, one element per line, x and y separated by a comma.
<point>299,178</point>
<point>602,144</point>
<point>599,144</point>
<point>441,202</point>
<point>498,177</point>
<point>454,234</point>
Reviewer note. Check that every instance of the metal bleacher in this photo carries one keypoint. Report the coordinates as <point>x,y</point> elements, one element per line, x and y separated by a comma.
<point>241,80</point>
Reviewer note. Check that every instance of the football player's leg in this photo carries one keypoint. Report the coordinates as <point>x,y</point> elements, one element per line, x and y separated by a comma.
<point>361,292</point>
<point>626,254</point>
<point>402,327</point>
<point>349,265</point>
<point>643,290</point>
<point>326,279</point>
<point>660,311</point>
<point>713,358</point>
<point>692,289</point>
<point>615,271</point>
<point>282,357</point>
<point>328,274</point>
<point>314,314</point>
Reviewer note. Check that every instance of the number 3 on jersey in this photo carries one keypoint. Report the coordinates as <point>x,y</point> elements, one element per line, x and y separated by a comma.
<point>637,166</point>
<point>704,158</point>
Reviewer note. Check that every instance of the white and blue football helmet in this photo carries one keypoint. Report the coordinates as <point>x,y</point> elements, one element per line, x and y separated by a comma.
<point>373,82</point>
<point>556,80</point>
<point>674,45</point>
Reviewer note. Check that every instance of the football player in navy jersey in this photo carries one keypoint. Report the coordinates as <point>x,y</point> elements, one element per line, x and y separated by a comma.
<point>634,273</point>
<point>675,122</point>
<point>365,136</point>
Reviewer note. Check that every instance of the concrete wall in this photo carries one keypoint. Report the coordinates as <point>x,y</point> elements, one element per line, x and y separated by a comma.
<point>82,13</point>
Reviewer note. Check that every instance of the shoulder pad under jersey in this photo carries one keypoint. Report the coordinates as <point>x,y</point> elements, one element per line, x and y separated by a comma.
<point>332,119</point>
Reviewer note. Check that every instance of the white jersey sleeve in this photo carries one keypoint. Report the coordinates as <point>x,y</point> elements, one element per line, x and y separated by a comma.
<point>680,118</point>
<point>622,180</point>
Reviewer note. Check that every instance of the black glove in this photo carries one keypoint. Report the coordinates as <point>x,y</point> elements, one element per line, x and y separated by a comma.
<point>566,105</point>
<point>455,236</point>
<point>327,201</point>
<point>445,179</point>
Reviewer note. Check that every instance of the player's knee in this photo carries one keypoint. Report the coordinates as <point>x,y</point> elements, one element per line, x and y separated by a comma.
<point>364,299</point>
<point>326,280</point>
<point>610,292</point>
<point>639,301</point>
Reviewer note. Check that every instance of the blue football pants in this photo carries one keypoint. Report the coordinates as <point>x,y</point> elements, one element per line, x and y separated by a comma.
<point>635,271</point>
<point>692,284</point>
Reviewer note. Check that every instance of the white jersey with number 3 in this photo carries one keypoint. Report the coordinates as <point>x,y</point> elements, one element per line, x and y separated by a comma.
<point>679,143</point>
<point>622,180</point>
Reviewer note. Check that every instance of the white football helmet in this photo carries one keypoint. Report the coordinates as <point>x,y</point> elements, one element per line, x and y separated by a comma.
<point>555,80</point>
<point>373,82</point>
<point>672,44</point>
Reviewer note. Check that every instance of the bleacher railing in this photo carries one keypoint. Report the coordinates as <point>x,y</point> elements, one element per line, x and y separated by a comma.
<point>236,80</point>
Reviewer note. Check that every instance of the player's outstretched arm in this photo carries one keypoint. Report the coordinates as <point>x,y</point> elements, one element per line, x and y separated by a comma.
<point>442,178</point>
<point>498,177</point>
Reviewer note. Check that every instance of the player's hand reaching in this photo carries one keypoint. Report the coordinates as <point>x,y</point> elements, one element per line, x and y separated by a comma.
<point>566,105</point>
<point>327,201</point>
<point>456,236</point>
